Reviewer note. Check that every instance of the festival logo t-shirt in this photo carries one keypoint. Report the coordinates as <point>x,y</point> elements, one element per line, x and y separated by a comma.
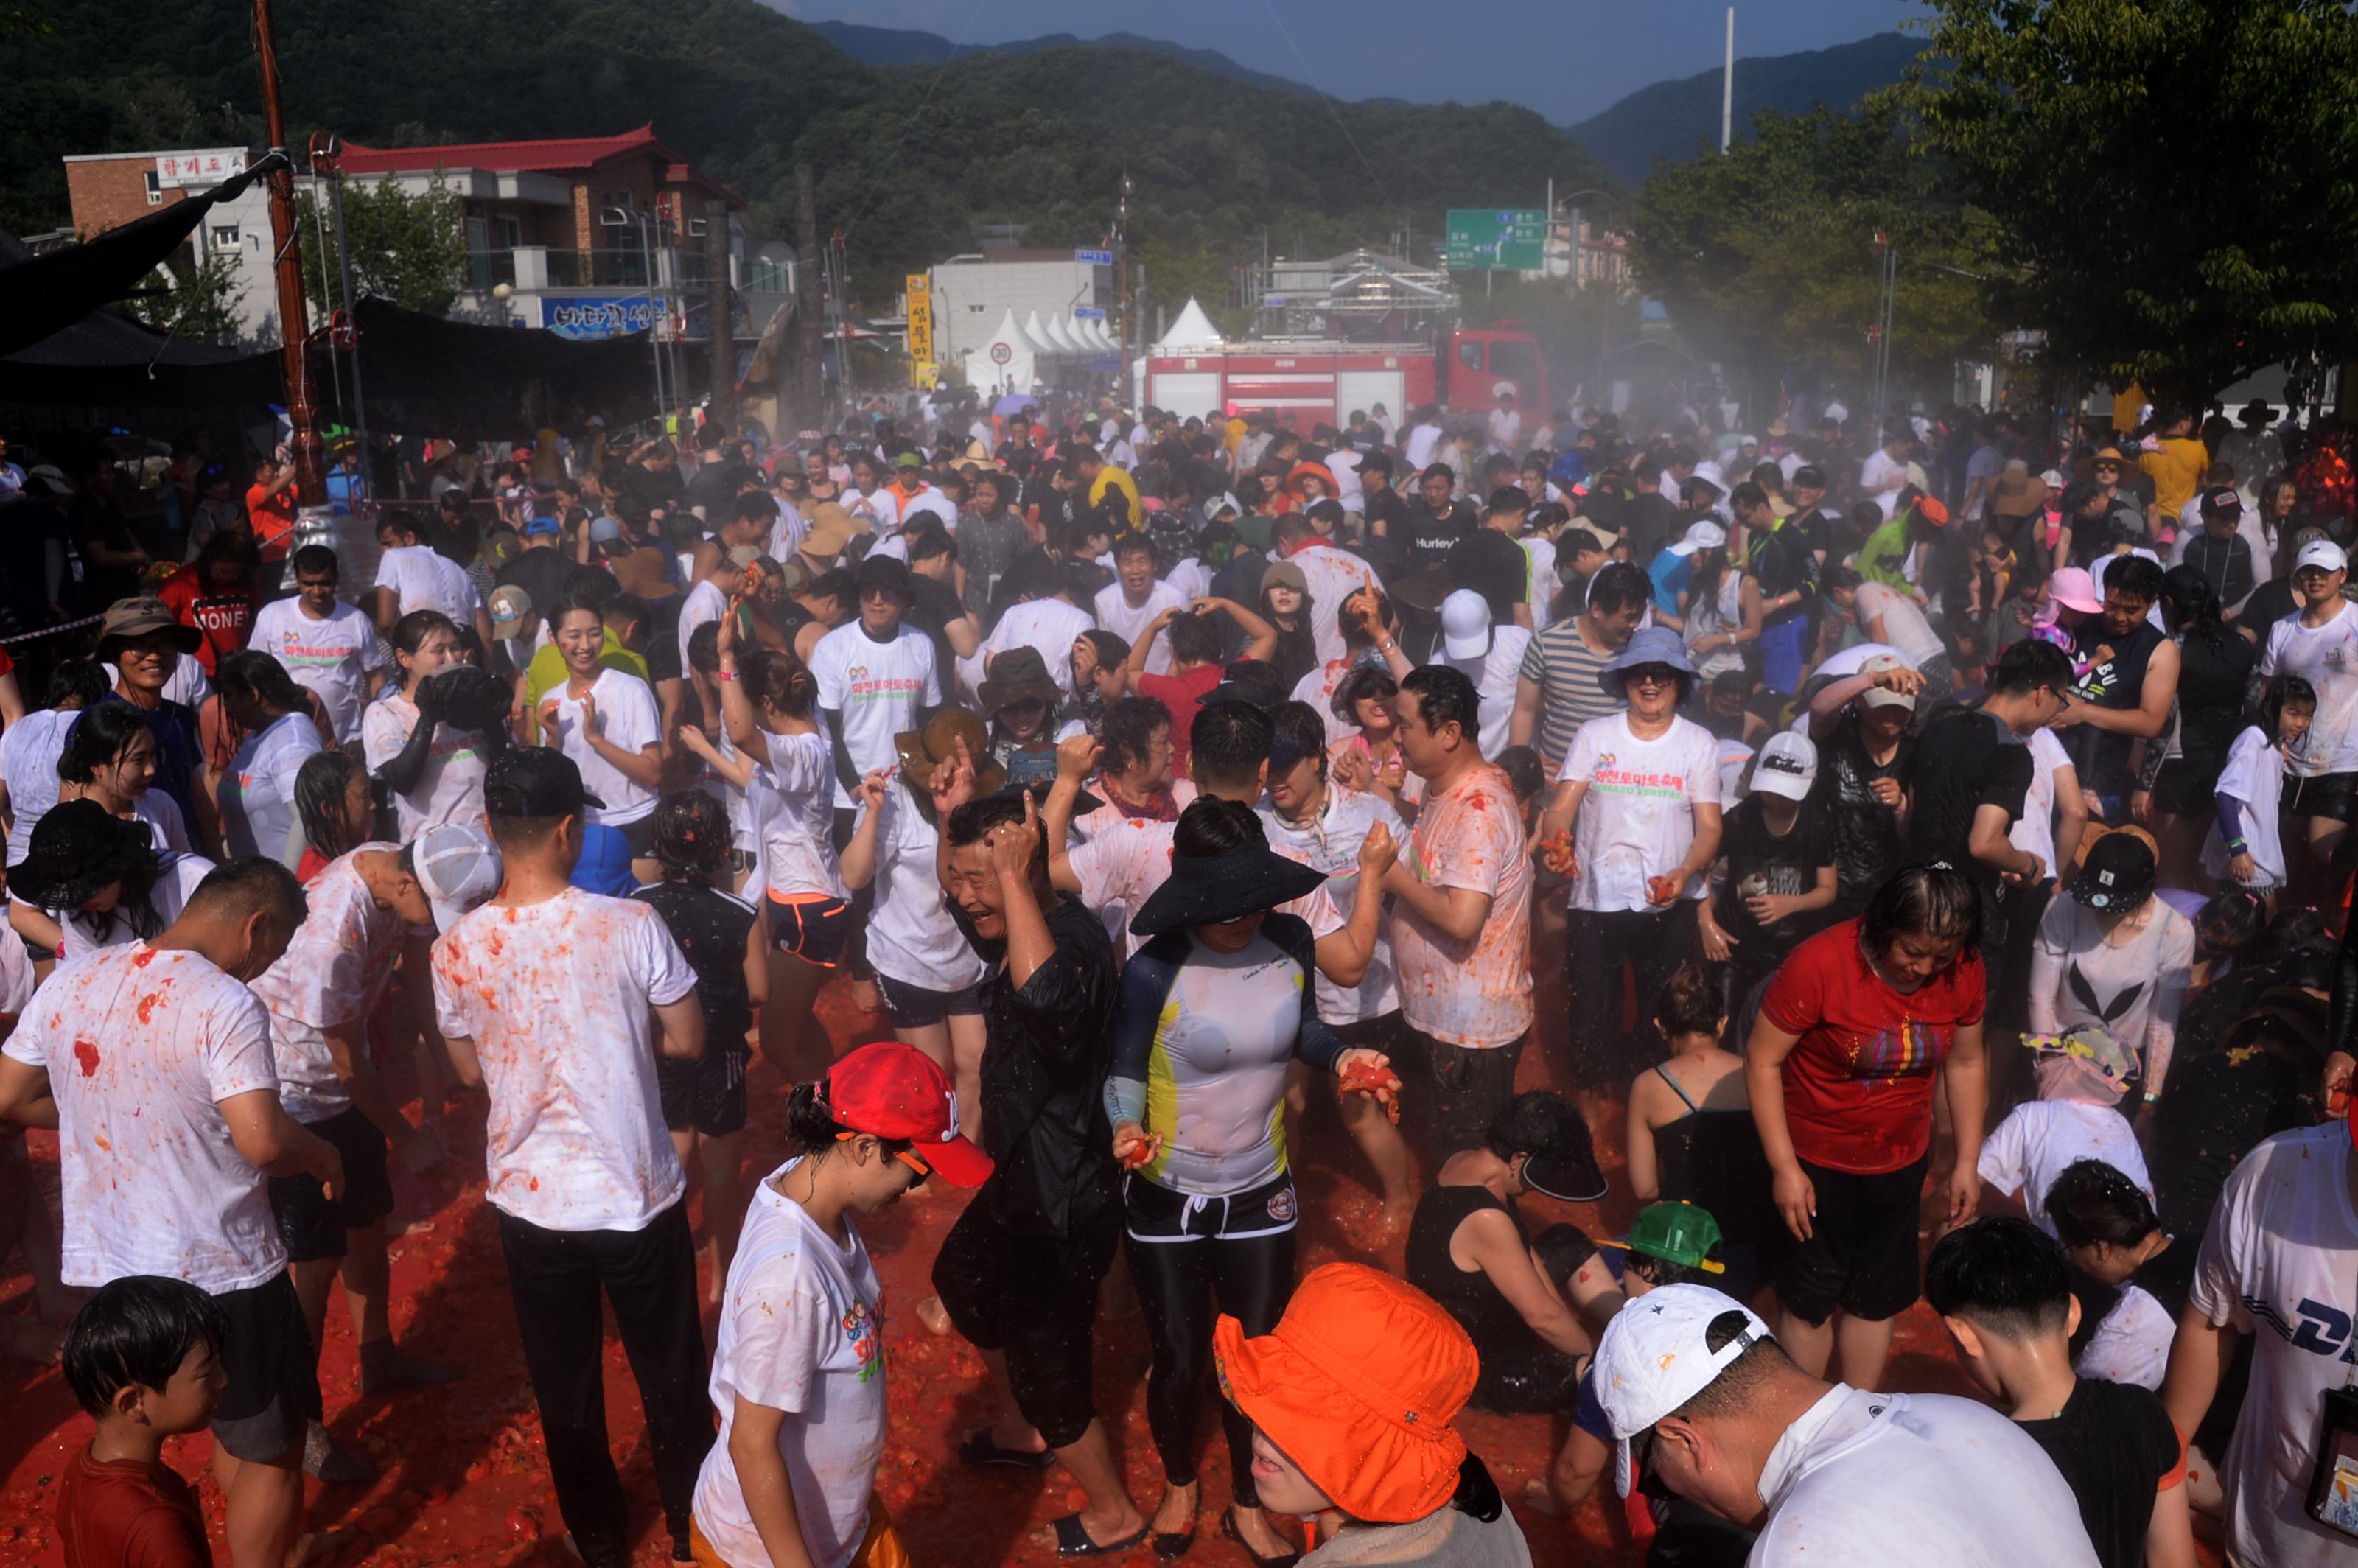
<point>141,1046</point>
<point>330,977</point>
<point>1858,1085</point>
<point>878,687</point>
<point>558,998</point>
<point>1476,993</point>
<point>1636,820</point>
<point>801,1331</point>
<point>331,657</point>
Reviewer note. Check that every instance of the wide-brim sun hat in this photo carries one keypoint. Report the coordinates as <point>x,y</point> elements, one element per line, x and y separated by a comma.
<point>77,849</point>
<point>1359,1385</point>
<point>1207,889</point>
<point>1649,645</point>
<point>1017,674</point>
<point>922,750</point>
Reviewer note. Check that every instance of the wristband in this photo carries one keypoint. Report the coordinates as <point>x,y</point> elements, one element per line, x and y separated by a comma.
<point>728,675</point>
<point>2235,846</point>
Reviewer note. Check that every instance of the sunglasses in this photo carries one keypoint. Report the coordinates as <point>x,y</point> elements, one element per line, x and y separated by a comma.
<point>2114,468</point>
<point>1652,675</point>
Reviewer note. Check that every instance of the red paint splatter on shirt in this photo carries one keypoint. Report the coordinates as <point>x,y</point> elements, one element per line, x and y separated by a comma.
<point>86,1052</point>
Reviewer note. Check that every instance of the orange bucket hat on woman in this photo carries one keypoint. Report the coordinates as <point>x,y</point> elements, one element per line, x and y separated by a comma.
<point>1359,1386</point>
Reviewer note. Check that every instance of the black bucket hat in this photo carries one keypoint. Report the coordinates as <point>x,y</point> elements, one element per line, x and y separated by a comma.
<point>78,849</point>
<point>1206,890</point>
<point>1567,1167</point>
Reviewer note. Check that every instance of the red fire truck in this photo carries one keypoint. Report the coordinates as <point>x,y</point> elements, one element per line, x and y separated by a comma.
<point>1308,381</point>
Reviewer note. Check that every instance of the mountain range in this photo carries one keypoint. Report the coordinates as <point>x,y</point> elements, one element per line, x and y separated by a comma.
<point>896,45</point>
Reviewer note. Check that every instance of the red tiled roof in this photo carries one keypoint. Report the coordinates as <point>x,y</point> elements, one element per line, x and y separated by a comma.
<point>506,158</point>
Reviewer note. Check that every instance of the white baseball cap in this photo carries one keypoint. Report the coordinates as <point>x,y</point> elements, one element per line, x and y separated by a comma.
<point>1656,1356</point>
<point>1787,765</point>
<point>2322,553</point>
<point>458,867</point>
<point>1883,696</point>
<point>1702,534</point>
<point>1464,624</point>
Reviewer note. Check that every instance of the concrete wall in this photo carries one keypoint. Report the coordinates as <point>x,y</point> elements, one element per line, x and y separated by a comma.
<point>969,297</point>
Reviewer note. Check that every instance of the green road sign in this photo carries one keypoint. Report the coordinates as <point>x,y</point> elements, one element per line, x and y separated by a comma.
<point>1497,239</point>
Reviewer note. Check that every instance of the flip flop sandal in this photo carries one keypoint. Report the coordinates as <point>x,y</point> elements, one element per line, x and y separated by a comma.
<point>979,1450</point>
<point>1073,1539</point>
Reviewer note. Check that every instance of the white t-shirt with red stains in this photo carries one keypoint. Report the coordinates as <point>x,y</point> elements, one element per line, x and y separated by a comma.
<point>1119,870</point>
<point>559,997</point>
<point>802,1331</point>
<point>1478,993</point>
<point>449,789</point>
<point>141,1046</point>
<point>331,974</point>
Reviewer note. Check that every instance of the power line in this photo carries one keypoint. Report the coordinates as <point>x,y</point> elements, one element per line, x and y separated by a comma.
<point>1311,77</point>
<point>932,85</point>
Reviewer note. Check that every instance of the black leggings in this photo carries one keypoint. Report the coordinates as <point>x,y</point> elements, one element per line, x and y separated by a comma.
<point>1176,1280</point>
<point>1653,943</point>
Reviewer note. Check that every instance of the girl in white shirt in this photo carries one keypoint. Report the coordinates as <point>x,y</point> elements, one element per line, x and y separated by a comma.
<point>440,778</point>
<point>257,789</point>
<point>785,764</point>
<point>110,757</point>
<point>607,720</point>
<point>2244,846</point>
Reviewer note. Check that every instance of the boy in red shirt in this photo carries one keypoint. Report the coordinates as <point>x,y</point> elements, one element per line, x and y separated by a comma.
<point>143,1357</point>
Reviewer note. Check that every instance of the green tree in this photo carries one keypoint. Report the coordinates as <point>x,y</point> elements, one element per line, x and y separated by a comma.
<point>2174,174</point>
<point>1766,257</point>
<point>408,248</point>
<point>194,300</point>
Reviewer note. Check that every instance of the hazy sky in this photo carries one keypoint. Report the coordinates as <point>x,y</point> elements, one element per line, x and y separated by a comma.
<point>1567,59</point>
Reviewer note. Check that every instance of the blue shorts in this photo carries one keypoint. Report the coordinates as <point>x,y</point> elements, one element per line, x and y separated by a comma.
<point>812,927</point>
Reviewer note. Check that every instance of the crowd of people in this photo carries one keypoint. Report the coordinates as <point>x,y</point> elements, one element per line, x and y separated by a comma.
<point>1932,831</point>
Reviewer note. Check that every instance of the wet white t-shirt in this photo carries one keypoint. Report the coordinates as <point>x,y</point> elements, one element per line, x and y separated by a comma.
<point>1048,626</point>
<point>2327,657</point>
<point>1119,872</point>
<point>257,791</point>
<point>1331,845</point>
<point>628,717</point>
<point>449,789</point>
<point>2254,775</point>
<point>1128,622</point>
<point>559,997</point>
<point>331,976</point>
<point>2280,1263</point>
<point>421,579</point>
<point>331,657</point>
<point>802,1331</point>
<point>911,937</point>
<point>28,762</point>
<point>2039,1139</point>
<point>141,1047</point>
<point>1636,820</point>
<point>878,687</point>
<point>793,800</point>
<point>2034,831</point>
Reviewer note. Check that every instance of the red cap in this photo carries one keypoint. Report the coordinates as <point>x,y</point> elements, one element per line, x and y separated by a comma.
<point>889,1089</point>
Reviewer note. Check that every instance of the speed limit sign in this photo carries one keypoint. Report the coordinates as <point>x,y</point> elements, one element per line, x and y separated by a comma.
<point>1001,353</point>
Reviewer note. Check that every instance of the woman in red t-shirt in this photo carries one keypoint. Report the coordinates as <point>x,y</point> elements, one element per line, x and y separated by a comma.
<point>218,594</point>
<point>1840,1070</point>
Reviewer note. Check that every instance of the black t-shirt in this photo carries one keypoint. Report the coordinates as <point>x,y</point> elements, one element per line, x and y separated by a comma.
<point>27,527</point>
<point>95,522</point>
<point>1867,842</point>
<point>2114,682</point>
<point>662,652</point>
<point>2270,602</point>
<point>541,573</point>
<point>2212,671</point>
<point>1965,760</point>
<point>2225,564</point>
<point>1494,566</point>
<point>710,926</point>
<point>1389,507</point>
<point>937,605</point>
<point>1759,861</point>
<point>2114,1444</point>
<point>1431,538</point>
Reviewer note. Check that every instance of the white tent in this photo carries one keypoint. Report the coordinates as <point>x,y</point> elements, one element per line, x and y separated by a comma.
<point>1061,338</point>
<point>1041,342</point>
<point>1099,339</point>
<point>1193,329</point>
<point>1008,359</point>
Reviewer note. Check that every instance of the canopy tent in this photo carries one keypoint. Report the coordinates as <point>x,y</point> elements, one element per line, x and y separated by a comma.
<point>1007,359</point>
<point>1041,343</point>
<point>1193,329</point>
<point>1102,337</point>
<point>1062,338</point>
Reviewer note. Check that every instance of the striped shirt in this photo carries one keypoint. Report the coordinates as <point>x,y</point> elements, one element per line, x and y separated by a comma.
<point>1566,667</point>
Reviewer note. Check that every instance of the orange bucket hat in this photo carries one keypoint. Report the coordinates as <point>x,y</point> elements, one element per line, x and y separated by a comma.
<point>1359,1385</point>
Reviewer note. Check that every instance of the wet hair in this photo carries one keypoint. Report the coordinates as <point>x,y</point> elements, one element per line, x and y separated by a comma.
<point>1660,1271</point>
<point>1128,730</point>
<point>704,648</point>
<point>2028,664</point>
<point>1837,578</point>
<point>1446,695</point>
<point>76,683</point>
<point>2232,920</point>
<point>572,603</point>
<point>316,559</point>
<point>780,681</point>
<point>136,1331</point>
<point>754,506</point>
<point>1932,900</point>
<point>2137,577</point>
<point>410,633</point>
<point>2283,692</point>
<point>1366,681</point>
<point>1534,1119</point>
<point>252,673</point>
<point>321,786</point>
<point>1619,585</point>
<point>925,538</point>
<point>1215,827</point>
<point>1195,640</point>
<point>2004,1275</point>
<point>2090,1202</point>
<point>1297,730</point>
<point>1526,771</point>
<point>1112,647</point>
<point>1689,1002</point>
<point>234,890</point>
<point>692,837</point>
<point>100,738</point>
<point>839,585</point>
<point>1133,544</point>
<point>814,1132</point>
<point>1227,743</point>
<point>972,822</point>
<point>1740,1382</point>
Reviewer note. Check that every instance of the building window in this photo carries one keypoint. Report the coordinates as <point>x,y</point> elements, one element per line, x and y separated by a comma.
<point>976,310</point>
<point>155,189</point>
<point>225,236</point>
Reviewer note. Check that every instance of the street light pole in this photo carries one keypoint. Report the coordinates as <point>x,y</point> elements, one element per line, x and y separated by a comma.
<point>1612,284</point>
<point>1121,255</point>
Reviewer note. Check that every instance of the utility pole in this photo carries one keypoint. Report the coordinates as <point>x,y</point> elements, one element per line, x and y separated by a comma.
<point>1121,255</point>
<point>809,387</point>
<point>1728,88</point>
<point>344,265</point>
<point>720,316</point>
<point>294,319</point>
